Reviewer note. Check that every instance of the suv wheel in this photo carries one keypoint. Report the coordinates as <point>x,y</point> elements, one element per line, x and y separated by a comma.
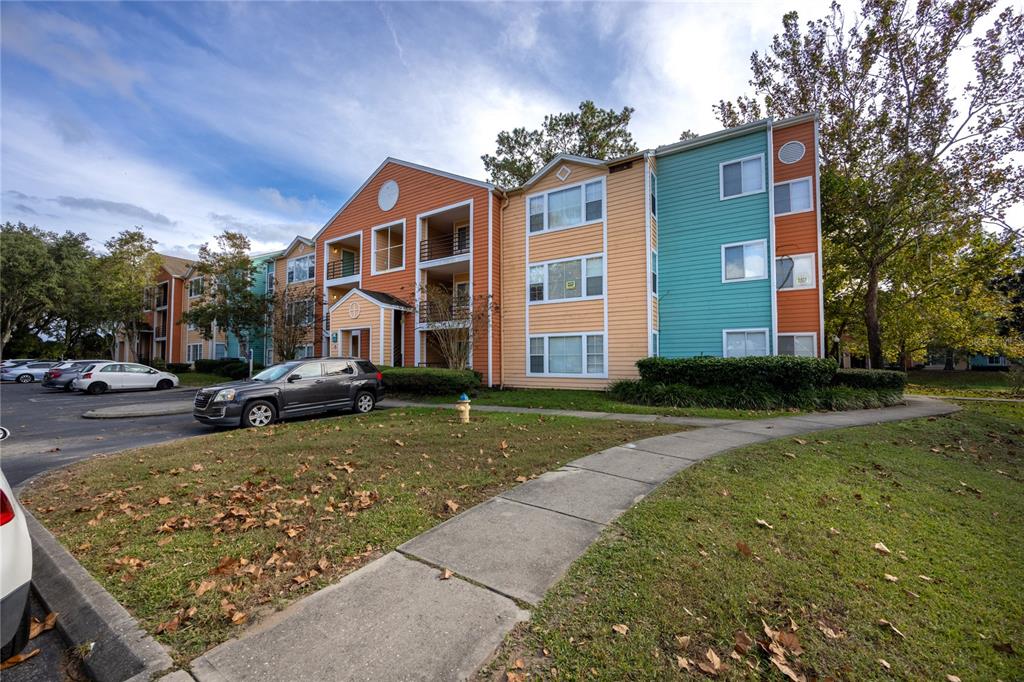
<point>363,403</point>
<point>97,387</point>
<point>24,379</point>
<point>258,413</point>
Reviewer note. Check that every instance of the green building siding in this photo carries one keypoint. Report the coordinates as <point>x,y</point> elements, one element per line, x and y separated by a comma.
<point>693,224</point>
<point>259,285</point>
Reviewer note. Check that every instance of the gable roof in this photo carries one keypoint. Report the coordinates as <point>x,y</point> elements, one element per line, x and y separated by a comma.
<point>406,164</point>
<point>175,266</point>
<point>299,239</point>
<point>376,297</point>
<point>585,160</point>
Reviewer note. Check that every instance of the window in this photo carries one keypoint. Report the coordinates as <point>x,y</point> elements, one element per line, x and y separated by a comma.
<point>537,355</point>
<point>304,351</point>
<point>794,272</point>
<point>268,354</point>
<point>742,177</point>
<point>300,312</point>
<point>389,248</point>
<point>195,287</point>
<point>271,275</point>
<point>112,368</point>
<point>575,354</point>
<point>744,261</point>
<point>801,345</point>
<point>337,368</point>
<point>310,370</point>
<point>193,352</point>
<point>564,279</point>
<point>793,196</point>
<point>302,268</point>
<point>741,343</point>
<point>654,272</point>
<point>655,342</point>
<point>654,195</point>
<point>220,351</point>
<point>569,207</point>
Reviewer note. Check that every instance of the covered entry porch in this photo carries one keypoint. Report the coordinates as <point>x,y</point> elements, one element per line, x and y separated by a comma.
<point>370,325</point>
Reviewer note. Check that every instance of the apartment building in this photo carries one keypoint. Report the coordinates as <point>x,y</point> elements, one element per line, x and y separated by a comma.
<point>710,246</point>
<point>409,230</point>
<point>264,267</point>
<point>162,338</point>
<point>198,347</point>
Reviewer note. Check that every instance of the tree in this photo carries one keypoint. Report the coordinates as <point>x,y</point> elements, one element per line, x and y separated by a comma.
<point>228,300</point>
<point>77,309</point>
<point>129,268</point>
<point>29,283</point>
<point>591,132</point>
<point>907,165</point>
<point>293,318</point>
<point>452,318</point>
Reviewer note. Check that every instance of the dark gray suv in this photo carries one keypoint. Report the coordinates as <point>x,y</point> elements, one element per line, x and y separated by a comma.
<point>291,389</point>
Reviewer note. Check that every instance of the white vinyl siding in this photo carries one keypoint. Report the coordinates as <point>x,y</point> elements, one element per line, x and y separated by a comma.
<point>741,177</point>
<point>564,208</point>
<point>567,355</point>
<point>800,345</point>
<point>794,272</point>
<point>745,261</point>
<point>793,196</point>
<point>301,269</point>
<point>568,279</point>
<point>740,343</point>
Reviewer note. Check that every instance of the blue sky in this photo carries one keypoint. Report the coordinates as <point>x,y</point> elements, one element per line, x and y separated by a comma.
<point>187,118</point>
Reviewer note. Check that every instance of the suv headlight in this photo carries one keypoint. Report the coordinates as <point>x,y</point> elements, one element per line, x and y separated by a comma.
<point>224,396</point>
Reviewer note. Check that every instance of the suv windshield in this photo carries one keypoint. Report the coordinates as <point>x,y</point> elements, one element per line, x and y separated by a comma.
<point>275,372</point>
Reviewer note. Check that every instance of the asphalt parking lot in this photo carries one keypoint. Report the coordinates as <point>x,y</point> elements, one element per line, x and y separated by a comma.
<point>48,431</point>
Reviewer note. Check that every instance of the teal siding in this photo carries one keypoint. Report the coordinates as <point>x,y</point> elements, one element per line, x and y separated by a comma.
<point>693,224</point>
<point>259,285</point>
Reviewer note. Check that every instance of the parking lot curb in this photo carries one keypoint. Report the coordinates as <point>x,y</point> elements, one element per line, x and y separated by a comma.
<point>155,409</point>
<point>114,647</point>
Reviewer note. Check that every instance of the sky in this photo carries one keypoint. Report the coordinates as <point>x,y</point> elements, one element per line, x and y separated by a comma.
<point>191,118</point>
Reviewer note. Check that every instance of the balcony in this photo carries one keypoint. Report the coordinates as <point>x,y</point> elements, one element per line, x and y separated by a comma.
<point>458,313</point>
<point>445,246</point>
<point>339,269</point>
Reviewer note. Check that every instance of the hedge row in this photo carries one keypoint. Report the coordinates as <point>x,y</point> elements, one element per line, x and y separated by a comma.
<point>778,372</point>
<point>231,368</point>
<point>877,379</point>
<point>642,392</point>
<point>430,380</point>
<point>178,367</point>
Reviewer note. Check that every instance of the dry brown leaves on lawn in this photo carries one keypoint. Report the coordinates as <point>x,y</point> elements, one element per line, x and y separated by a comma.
<point>17,658</point>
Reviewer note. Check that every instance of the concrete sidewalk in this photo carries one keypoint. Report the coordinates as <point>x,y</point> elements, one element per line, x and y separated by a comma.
<point>395,619</point>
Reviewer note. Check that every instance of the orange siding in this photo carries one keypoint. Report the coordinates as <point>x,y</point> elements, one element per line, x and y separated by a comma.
<point>799,310</point>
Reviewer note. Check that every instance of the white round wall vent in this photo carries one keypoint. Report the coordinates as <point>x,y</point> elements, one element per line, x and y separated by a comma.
<point>791,152</point>
<point>387,197</point>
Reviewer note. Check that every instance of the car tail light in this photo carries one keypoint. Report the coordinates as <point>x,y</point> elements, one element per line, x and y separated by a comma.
<point>380,377</point>
<point>87,375</point>
<point>54,373</point>
<point>6,509</point>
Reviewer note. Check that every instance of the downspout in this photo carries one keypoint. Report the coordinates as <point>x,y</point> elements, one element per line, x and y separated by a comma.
<point>774,336</point>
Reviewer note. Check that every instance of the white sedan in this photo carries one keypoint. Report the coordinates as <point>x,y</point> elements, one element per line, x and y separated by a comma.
<point>15,573</point>
<point>122,376</point>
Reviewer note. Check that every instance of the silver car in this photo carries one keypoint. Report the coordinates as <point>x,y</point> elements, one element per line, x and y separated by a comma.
<point>27,373</point>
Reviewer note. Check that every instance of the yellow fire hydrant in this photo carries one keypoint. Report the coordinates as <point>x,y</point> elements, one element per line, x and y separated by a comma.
<point>462,407</point>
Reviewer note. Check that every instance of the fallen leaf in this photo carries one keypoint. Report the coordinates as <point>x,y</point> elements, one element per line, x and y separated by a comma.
<point>446,574</point>
<point>925,578</point>
<point>713,664</point>
<point>952,678</point>
<point>38,627</point>
<point>762,522</point>
<point>511,676</point>
<point>621,629</point>
<point>197,467</point>
<point>829,632</point>
<point>683,641</point>
<point>205,586</point>
<point>163,501</point>
<point>833,531</point>
<point>238,617</point>
<point>884,663</point>
<point>504,445</point>
<point>882,549</point>
<point>17,658</point>
<point>683,663</point>
<point>169,626</point>
<point>399,443</point>
<point>883,622</point>
<point>891,578</point>
<point>743,641</point>
<point>800,441</point>
<point>451,505</point>
<point>518,664</point>
<point>521,479</point>
<point>784,668</point>
<point>744,549</point>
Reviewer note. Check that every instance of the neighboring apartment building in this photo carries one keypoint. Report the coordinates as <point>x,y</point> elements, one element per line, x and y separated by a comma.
<point>164,339</point>
<point>406,228</point>
<point>295,271</point>
<point>710,246</point>
<point>264,278</point>
<point>197,347</point>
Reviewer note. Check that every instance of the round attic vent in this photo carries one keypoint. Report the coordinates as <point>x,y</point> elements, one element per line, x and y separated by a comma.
<point>387,197</point>
<point>791,152</point>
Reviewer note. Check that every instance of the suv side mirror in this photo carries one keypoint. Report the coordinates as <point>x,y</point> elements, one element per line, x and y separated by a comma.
<point>293,378</point>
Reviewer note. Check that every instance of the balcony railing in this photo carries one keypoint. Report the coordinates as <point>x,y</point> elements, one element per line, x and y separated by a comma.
<point>455,312</point>
<point>339,268</point>
<point>445,246</point>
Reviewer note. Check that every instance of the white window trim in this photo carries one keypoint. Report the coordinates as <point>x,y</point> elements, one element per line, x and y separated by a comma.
<point>583,206</point>
<point>752,330</point>
<point>767,260</point>
<point>288,267</point>
<point>190,294</point>
<point>190,355</point>
<point>810,183</point>
<point>373,247</point>
<point>653,194</point>
<point>814,340</point>
<point>656,272</point>
<point>583,276</point>
<point>721,177</point>
<point>814,271</point>
<point>583,336</point>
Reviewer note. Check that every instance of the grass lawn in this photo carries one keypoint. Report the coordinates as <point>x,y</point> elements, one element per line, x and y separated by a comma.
<point>967,384</point>
<point>944,496</point>
<point>200,379</point>
<point>596,401</point>
<point>199,538</point>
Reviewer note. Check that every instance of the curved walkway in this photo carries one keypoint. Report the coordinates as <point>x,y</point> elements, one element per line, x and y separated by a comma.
<point>398,618</point>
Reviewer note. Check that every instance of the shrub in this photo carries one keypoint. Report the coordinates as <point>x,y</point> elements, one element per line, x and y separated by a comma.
<point>877,379</point>
<point>210,366</point>
<point>178,367</point>
<point>430,380</point>
<point>231,368</point>
<point>778,372</point>
<point>158,363</point>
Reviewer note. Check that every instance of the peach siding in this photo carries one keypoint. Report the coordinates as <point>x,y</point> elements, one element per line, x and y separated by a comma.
<point>281,280</point>
<point>654,313</point>
<point>419,192</point>
<point>626,288</point>
<point>798,311</point>
<point>368,319</point>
